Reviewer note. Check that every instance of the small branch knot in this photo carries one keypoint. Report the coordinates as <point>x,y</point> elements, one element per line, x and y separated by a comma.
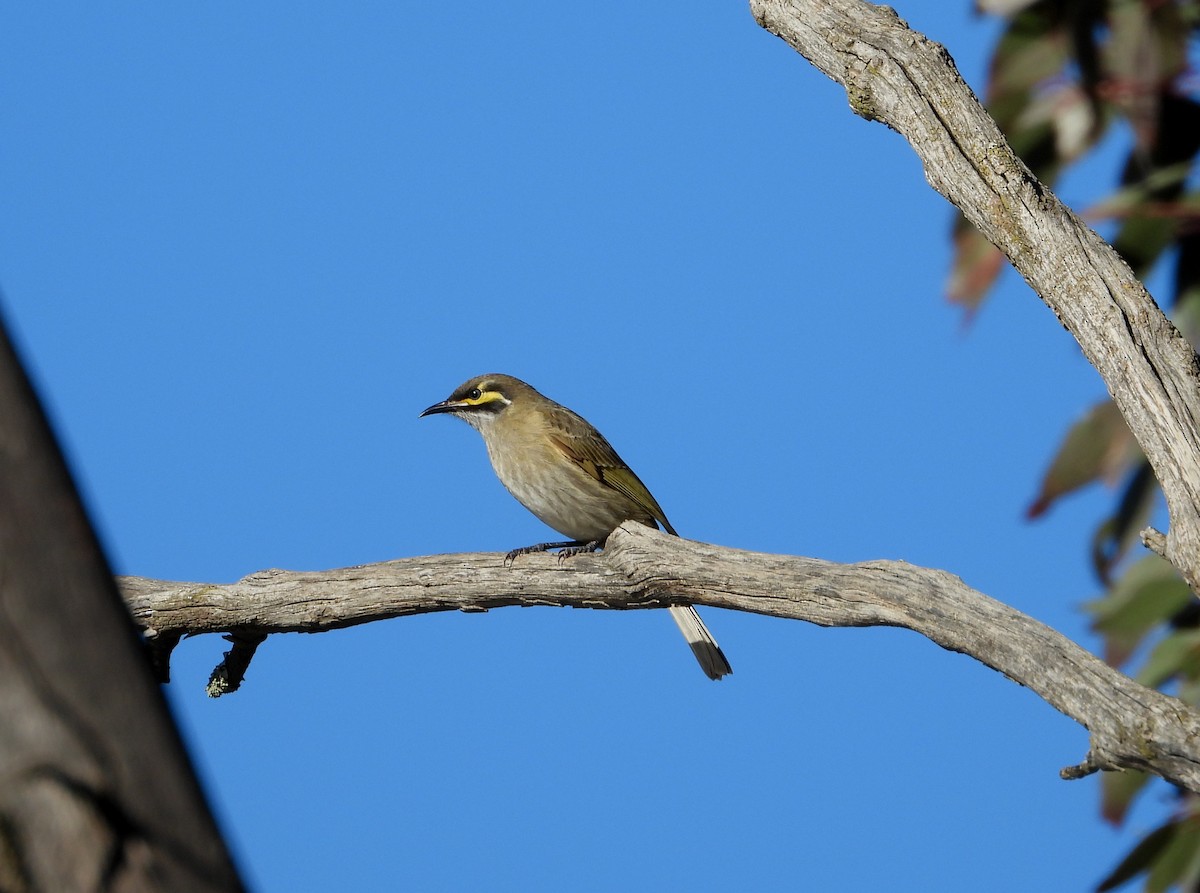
<point>1155,541</point>
<point>1081,770</point>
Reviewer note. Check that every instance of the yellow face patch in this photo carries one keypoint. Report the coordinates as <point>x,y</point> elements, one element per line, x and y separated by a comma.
<point>478,397</point>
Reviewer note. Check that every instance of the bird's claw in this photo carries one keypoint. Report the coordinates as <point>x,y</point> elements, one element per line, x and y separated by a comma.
<point>565,550</point>
<point>571,551</point>
<point>511,557</point>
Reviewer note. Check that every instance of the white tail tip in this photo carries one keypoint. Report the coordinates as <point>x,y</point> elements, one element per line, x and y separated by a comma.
<point>708,653</point>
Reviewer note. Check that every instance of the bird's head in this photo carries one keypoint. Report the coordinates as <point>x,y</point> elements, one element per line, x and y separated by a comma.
<point>480,400</point>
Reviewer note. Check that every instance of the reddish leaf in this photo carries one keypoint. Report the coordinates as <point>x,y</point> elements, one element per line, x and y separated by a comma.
<point>977,263</point>
<point>1040,94</point>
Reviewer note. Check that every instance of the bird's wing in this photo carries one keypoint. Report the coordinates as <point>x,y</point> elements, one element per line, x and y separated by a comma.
<point>587,448</point>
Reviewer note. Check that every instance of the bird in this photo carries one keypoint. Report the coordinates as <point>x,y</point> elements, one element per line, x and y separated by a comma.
<point>557,465</point>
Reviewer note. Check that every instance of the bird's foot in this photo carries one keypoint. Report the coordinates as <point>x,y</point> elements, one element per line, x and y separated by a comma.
<point>571,551</point>
<point>567,549</point>
<point>534,549</point>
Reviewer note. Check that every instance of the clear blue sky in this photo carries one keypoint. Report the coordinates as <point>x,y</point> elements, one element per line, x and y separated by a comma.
<point>243,245</point>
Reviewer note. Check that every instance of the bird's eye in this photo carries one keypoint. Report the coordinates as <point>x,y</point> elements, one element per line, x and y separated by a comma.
<point>475,394</point>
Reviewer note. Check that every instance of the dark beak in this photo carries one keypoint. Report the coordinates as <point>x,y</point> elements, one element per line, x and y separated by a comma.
<point>444,406</point>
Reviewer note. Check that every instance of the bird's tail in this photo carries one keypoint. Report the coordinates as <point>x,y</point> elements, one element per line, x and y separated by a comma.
<point>700,640</point>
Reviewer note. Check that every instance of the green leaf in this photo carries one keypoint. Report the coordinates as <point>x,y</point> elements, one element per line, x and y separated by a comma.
<point>1143,238</point>
<point>1140,858</point>
<point>1097,447</point>
<point>1145,52</point>
<point>1149,593</point>
<point>1186,313</point>
<point>1128,199</point>
<point>1002,7</point>
<point>1122,531</point>
<point>1117,792</point>
<point>1178,860</point>
<point>1189,690</point>
<point>1032,50</point>
<point>1176,655</point>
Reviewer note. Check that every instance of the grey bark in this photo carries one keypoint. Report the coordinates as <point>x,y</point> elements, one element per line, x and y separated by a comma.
<point>891,74</point>
<point>897,76</point>
<point>1131,726</point>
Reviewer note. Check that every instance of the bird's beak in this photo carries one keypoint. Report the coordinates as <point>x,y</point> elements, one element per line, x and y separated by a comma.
<point>444,406</point>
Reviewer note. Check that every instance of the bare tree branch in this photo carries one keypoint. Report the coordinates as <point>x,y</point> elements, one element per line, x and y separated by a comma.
<point>1131,727</point>
<point>231,671</point>
<point>896,75</point>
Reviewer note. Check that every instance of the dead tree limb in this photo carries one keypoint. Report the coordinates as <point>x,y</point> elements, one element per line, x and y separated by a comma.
<point>897,76</point>
<point>1131,727</point>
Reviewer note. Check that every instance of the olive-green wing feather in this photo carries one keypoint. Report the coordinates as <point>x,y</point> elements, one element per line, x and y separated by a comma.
<point>587,448</point>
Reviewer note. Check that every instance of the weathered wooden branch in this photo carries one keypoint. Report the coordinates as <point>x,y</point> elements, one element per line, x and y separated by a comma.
<point>1131,727</point>
<point>897,76</point>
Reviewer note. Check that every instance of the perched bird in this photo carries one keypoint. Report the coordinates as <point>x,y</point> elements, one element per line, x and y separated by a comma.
<point>563,470</point>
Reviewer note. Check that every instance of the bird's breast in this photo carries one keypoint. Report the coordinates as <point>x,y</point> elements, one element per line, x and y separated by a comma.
<point>560,493</point>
